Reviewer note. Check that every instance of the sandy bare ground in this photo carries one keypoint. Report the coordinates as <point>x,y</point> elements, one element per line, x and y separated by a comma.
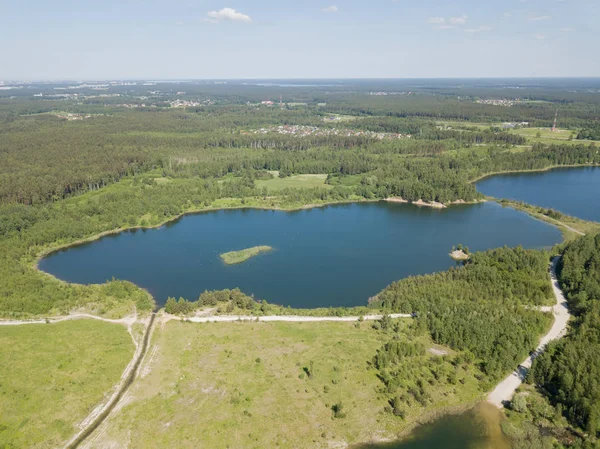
<point>128,320</point>
<point>565,225</point>
<point>270,318</point>
<point>505,390</point>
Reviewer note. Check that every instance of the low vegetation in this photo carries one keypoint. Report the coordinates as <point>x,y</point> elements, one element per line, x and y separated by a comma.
<point>278,183</point>
<point>235,257</point>
<point>235,302</point>
<point>296,385</point>
<point>53,375</point>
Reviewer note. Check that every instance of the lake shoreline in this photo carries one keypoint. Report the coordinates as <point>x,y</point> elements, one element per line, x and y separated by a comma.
<point>534,170</point>
<point>56,248</point>
<point>432,204</point>
<point>45,252</point>
<point>426,418</point>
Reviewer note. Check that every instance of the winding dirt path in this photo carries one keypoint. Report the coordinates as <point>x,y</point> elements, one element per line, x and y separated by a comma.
<point>128,320</point>
<point>103,410</point>
<point>505,390</point>
<point>565,225</point>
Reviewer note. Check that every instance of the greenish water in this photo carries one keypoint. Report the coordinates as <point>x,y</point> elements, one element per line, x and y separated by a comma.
<point>478,428</point>
<point>573,191</point>
<point>332,256</point>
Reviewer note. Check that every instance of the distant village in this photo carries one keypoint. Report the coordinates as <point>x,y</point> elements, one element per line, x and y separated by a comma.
<point>498,101</point>
<point>308,131</point>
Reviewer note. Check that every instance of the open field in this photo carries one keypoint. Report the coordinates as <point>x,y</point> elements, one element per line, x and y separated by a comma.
<point>549,137</point>
<point>243,255</point>
<point>53,375</point>
<point>464,124</point>
<point>257,385</point>
<point>294,182</point>
<point>545,133</point>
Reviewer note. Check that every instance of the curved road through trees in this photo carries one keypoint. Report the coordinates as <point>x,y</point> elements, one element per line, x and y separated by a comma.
<point>505,390</point>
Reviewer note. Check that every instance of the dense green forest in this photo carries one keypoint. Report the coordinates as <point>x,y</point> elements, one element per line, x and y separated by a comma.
<point>45,156</point>
<point>589,133</point>
<point>412,376</point>
<point>478,307</point>
<point>88,155</point>
<point>569,370</point>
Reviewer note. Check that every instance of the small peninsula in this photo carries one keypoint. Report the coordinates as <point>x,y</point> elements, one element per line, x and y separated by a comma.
<point>235,257</point>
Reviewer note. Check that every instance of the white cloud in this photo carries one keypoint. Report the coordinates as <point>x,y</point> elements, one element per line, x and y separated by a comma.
<point>566,30</point>
<point>540,37</point>
<point>539,18</point>
<point>227,14</point>
<point>442,23</point>
<point>436,20</point>
<point>507,14</point>
<point>458,20</point>
<point>331,8</point>
<point>478,29</point>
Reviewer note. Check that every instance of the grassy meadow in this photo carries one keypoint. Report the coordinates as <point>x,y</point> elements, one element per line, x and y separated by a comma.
<point>257,385</point>
<point>293,182</point>
<point>549,137</point>
<point>53,375</point>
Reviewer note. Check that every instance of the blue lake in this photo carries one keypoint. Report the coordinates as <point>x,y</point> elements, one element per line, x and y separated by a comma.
<point>332,256</point>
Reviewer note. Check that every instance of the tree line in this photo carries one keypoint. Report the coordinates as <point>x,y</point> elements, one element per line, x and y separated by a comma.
<point>569,370</point>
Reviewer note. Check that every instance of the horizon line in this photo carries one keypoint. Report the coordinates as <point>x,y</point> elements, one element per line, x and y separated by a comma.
<point>157,80</point>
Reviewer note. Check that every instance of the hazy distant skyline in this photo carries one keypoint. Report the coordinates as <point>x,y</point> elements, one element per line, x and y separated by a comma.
<point>207,39</point>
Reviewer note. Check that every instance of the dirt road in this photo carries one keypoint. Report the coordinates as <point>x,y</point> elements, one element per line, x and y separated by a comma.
<point>270,318</point>
<point>505,390</point>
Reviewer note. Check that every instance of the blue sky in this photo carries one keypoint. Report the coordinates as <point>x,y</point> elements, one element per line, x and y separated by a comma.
<point>163,39</point>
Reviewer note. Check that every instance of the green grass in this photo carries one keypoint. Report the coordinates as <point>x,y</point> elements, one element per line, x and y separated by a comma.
<point>53,375</point>
<point>243,385</point>
<point>295,181</point>
<point>549,137</point>
<point>465,124</point>
<point>348,180</point>
<point>243,255</point>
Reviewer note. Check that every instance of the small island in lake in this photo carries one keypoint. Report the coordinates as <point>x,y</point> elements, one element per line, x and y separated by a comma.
<point>243,255</point>
<point>460,252</point>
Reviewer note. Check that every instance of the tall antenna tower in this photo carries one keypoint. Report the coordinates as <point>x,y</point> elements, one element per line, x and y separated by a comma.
<point>555,118</point>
